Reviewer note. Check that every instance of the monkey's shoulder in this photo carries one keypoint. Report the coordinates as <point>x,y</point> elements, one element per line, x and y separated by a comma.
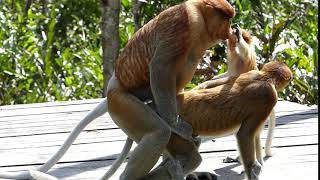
<point>261,90</point>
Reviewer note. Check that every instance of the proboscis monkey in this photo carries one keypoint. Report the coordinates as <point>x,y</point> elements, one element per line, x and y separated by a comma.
<point>157,63</point>
<point>233,105</point>
<point>242,58</point>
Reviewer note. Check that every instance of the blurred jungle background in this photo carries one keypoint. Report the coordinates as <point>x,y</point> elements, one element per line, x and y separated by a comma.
<point>56,50</point>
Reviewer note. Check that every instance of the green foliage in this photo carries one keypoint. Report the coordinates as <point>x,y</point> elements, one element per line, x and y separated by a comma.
<point>282,32</point>
<point>49,52</point>
<point>287,32</point>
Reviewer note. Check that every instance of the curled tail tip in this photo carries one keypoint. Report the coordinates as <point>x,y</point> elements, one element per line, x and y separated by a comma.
<point>41,176</point>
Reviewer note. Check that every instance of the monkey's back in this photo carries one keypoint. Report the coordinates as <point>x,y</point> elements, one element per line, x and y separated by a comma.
<point>169,29</point>
<point>221,110</point>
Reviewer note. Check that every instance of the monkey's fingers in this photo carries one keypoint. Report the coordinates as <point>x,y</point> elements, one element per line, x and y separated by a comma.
<point>183,129</point>
<point>238,32</point>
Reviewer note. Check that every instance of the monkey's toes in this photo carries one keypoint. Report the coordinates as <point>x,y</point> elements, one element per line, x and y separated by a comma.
<point>201,176</point>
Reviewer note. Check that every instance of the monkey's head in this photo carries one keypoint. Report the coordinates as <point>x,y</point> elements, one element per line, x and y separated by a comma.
<point>279,72</point>
<point>238,33</point>
<point>217,15</point>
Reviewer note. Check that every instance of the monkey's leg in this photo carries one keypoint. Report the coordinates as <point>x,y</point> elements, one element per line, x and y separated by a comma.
<point>271,127</point>
<point>141,124</point>
<point>246,143</point>
<point>179,151</point>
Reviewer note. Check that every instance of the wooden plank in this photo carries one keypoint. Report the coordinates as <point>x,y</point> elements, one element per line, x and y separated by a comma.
<point>47,140</point>
<point>30,134</point>
<point>104,123</point>
<point>64,122</point>
<point>96,144</point>
<point>86,105</point>
<point>294,163</point>
<point>50,104</point>
<point>284,130</point>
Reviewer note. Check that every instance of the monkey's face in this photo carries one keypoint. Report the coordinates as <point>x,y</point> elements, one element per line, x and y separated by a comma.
<point>284,78</point>
<point>279,72</point>
<point>218,15</point>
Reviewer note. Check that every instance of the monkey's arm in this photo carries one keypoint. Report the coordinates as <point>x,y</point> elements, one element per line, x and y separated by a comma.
<point>245,51</point>
<point>163,87</point>
<point>213,83</point>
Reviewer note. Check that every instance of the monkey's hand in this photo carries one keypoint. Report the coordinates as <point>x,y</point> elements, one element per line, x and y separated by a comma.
<point>238,32</point>
<point>234,37</point>
<point>182,128</point>
<point>233,40</point>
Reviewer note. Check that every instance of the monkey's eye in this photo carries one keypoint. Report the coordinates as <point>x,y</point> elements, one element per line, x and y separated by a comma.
<point>223,14</point>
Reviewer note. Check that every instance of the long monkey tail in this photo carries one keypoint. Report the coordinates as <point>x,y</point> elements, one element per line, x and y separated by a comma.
<point>271,126</point>
<point>120,159</point>
<point>98,111</point>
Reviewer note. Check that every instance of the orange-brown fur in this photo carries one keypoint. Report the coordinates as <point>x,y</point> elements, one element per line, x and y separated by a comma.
<point>157,63</point>
<point>227,105</point>
<point>176,28</point>
<point>220,110</point>
<point>132,65</point>
<point>236,105</point>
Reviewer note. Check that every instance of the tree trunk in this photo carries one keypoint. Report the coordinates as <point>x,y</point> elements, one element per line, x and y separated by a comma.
<point>110,38</point>
<point>136,14</point>
<point>28,5</point>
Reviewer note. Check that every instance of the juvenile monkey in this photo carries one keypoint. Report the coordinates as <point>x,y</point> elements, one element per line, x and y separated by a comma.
<point>242,58</point>
<point>157,63</point>
<point>234,105</point>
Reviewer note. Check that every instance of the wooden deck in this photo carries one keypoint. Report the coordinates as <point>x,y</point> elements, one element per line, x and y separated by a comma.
<point>31,133</point>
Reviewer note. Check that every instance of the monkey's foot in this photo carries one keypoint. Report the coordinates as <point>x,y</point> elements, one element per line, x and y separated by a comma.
<point>255,171</point>
<point>231,160</point>
<point>268,153</point>
<point>201,176</point>
<point>174,168</point>
<point>182,129</point>
<point>261,161</point>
